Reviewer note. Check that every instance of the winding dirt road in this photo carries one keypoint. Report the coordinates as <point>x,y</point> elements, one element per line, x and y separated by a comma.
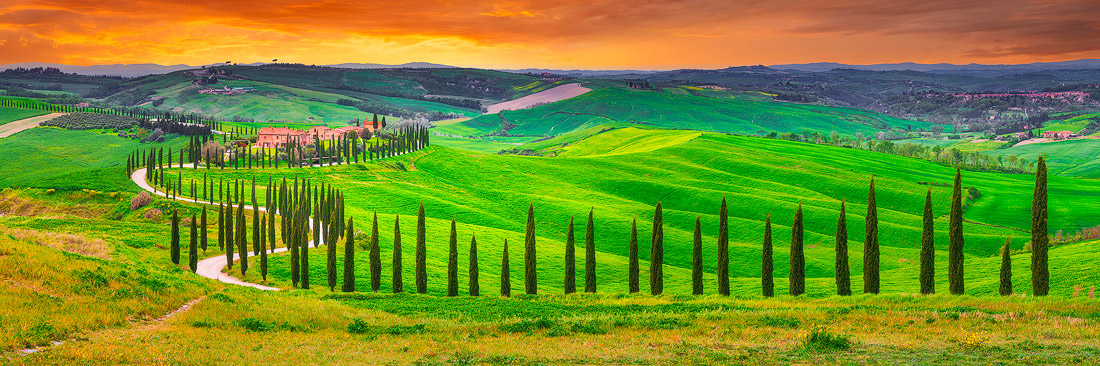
<point>15,127</point>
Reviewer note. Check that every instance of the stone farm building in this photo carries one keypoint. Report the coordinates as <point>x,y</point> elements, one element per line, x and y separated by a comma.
<point>277,136</point>
<point>1059,135</point>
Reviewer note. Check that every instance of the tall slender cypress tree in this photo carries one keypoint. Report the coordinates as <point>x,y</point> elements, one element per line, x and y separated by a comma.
<point>398,285</point>
<point>304,248</point>
<point>570,285</point>
<point>375,256</point>
<point>257,230</point>
<point>330,251</point>
<point>697,259</point>
<point>955,239</point>
<point>193,252</point>
<point>475,287</point>
<point>1006,269</point>
<point>230,250</point>
<point>843,277</point>
<point>452,261</point>
<point>221,226</point>
<point>767,283</point>
<point>1040,242</point>
<point>797,273</point>
<point>928,249</point>
<point>632,269</point>
<point>657,254</point>
<point>723,250</point>
<point>590,255</point>
<point>241,240</point>
<point>421,253</point>
<point>505,273</point>
<point>870,245</point>
<point>263,252</point>
<point>174,246</point>
<point>271,230</point>
<point>202,230</point>
<point>530,273</point>
<point>349,257</point>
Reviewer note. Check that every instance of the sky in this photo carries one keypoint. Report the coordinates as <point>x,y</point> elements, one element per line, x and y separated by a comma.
<point>561,34</point>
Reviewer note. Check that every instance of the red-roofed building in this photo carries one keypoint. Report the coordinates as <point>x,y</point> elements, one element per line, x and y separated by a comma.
<point>1059,135</point>
<point>277,136</point>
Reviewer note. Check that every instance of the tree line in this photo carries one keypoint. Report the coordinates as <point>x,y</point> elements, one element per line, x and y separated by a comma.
<point>296,203</point>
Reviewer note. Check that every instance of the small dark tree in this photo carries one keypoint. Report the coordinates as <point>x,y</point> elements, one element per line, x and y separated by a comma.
<point>632,269</point>
<point>657,254</point>
<point>1006,269</point>
<point>375,256</point>
<point>421,253</point>
<point>955,239</point>
<point>505,273</point>
<point>397,284</point>
<point>242,238</point>
<point>221,227</point>
<point>202,230</point>
<point>452,262</point>
<point>697,259</point>
<point>1040,242</point>
<point>870,245</point>
<point>530,274</point>
<point>349,257</point>
<point>475,287</point>
<point>330,259</point>
<point>767,283</point>
<point>843,277</point>
<point>797,273</point>
<point>570,285</point>
<point>590,255</point>
<point>193,252</point>
<point>723,250</point>
<point>174,246</point>
<point>928,249</point>
<point>263,253</point>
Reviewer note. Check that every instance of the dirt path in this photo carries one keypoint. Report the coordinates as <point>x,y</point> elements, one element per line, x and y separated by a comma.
<point>149,324</point>
<point>543,97</point>
<point>12,128</point>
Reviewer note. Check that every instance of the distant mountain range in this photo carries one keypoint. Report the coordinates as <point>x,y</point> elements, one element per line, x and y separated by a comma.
<point>130,70</point>
<point>946,68</point>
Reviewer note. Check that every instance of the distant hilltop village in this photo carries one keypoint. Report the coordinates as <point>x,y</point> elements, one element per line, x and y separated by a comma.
<point>270,137</point>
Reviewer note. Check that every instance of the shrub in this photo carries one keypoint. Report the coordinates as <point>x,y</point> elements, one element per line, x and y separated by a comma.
<point>51,191</point>
<point>139,201</point>
<point>254,325</point>
<point>779,322</point>
<point>820,339</point>
<point>358,326</point>
<point>153,214</point>
<point>591,327</point>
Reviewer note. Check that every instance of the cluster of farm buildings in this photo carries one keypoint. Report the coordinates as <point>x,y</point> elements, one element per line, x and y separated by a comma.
<point>269,137</point>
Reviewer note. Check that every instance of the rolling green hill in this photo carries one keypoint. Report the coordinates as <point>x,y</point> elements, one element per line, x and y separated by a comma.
<point>621,176</point>
<point>14,114</point>
<point>681,111</point>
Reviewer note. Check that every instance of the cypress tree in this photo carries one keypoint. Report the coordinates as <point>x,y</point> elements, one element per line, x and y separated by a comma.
<point>241,240</point>
<point>330,251</point>
<point>304,249</point>
<point>193,253</point>
<point>530,275</point>
<point>1040,272</point>
<point>271,231</point>
<point>398,285</point>
<point>797,273</point>
<point>928,249</point>
<point>505,273</point>
<point>349,257</point>
<point>843,277</point>
<point>657,254</point>
<point>221,227</point>
<point>452,262</point>
<point>1006,269</point>
<point>421,253</point>
<point>590,256</point>
<point>202,230</point>
<point>955,239</point>
<point>767,284</point>
<point>723,250</point>
<point>870,245</point>
<point>263,252</point>
<point>570,285</point>
<point>175,245</point>
<point>475,288</point>
<point>375,256</point>
<point>697,260</point>
<point>257,230</point>
<point>632,269</point>
<point>292,242</point>
<point>230,250</point>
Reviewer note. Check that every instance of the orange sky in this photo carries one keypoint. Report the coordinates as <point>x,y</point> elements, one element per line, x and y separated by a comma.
<point>593,34</point>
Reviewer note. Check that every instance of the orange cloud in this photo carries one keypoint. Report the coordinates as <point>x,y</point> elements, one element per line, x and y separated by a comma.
<point>549,33</point>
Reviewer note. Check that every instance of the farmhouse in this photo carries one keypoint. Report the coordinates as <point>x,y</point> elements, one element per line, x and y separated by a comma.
<point>1059,135</point>
<point>276,136</point>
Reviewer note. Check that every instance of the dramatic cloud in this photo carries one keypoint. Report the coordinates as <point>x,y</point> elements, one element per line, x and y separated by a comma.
<point>549,33</point>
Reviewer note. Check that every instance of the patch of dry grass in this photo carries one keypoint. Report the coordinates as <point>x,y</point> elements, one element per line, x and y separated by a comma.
<point>92,247</point>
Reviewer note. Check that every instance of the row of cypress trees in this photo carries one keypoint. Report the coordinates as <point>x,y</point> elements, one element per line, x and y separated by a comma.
<point>327,210</point>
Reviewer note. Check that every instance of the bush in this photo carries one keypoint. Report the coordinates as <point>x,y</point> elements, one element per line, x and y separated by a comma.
<point>153,214</point>
<point>358,326</point>
<point>820,339</point>
<point>779,322</point>
<point>139,201</point>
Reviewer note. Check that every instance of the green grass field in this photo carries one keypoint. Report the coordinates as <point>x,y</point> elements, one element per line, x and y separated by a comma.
<point>668,110</point>
<point>14,114</point>
<point>488,194</point>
